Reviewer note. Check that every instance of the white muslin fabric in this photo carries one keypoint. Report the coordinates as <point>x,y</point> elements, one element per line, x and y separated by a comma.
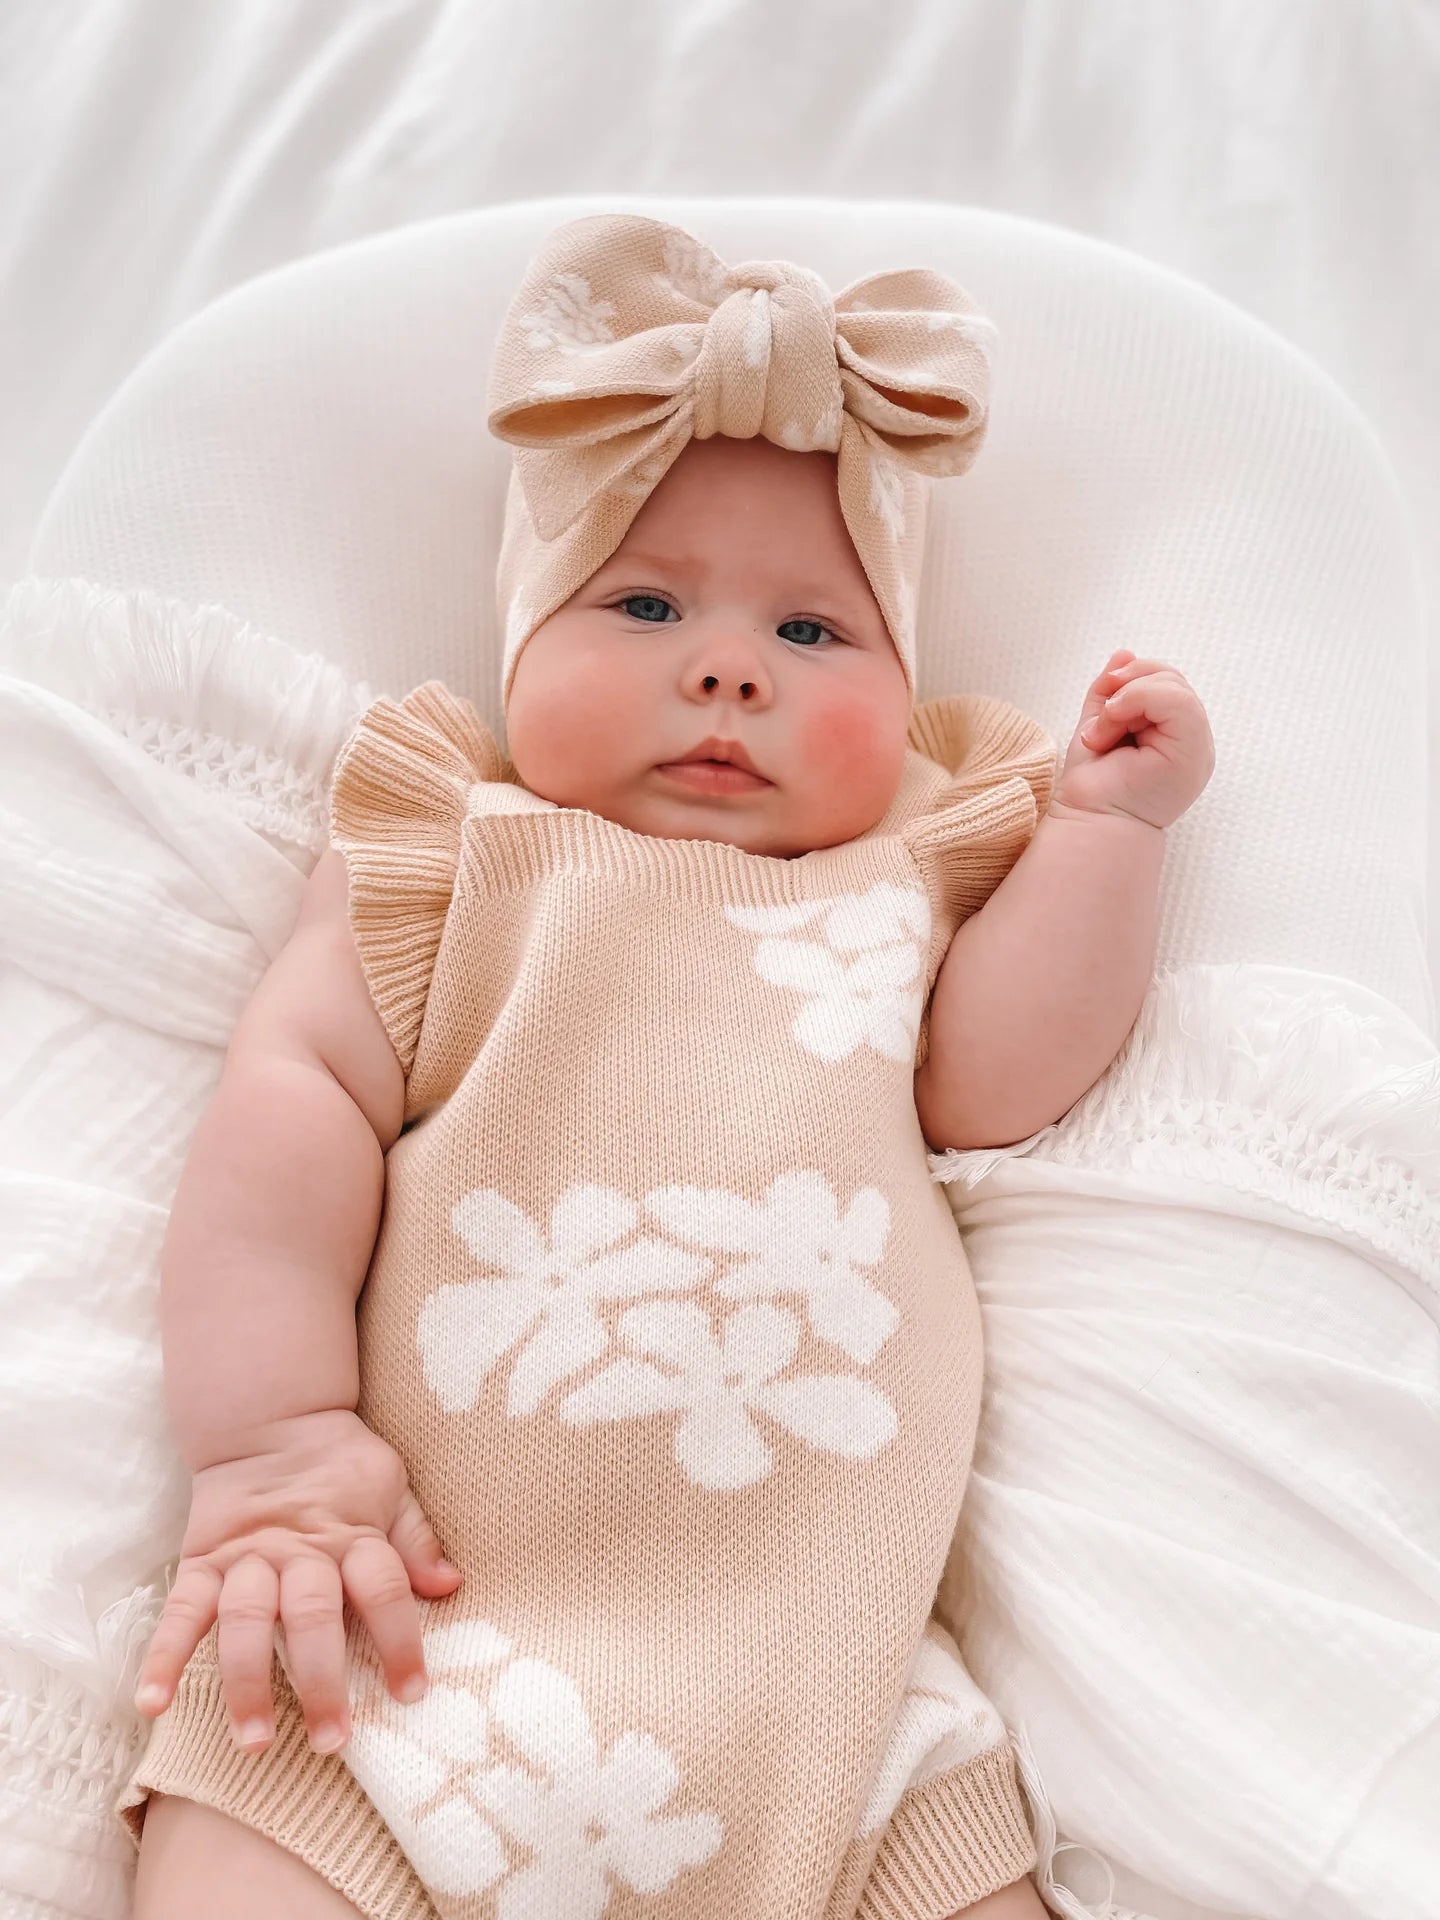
<point>1211,1300</point>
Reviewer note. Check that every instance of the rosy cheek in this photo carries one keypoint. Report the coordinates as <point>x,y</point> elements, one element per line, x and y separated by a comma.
<point>843,737</point>
<point>575,729</point>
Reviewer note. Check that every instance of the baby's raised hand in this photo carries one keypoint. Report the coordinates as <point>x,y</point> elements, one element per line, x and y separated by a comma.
<point>324,1512</point>
<point>1166,766</point>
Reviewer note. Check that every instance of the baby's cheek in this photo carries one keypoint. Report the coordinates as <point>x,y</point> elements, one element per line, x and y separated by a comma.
<point>845,738</point>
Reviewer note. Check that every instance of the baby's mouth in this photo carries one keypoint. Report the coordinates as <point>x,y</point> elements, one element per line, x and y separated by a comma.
<point>712,776</point>
<point>715,765</point>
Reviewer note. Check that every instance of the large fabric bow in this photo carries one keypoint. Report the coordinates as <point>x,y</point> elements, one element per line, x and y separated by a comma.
<point>629,336</point>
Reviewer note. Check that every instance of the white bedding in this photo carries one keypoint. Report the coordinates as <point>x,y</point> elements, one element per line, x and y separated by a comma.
<point>155,153</point>
<point>1204,1530</point>
<point>153,847</point>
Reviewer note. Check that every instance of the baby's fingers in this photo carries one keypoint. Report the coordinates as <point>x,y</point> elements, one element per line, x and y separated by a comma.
<point>249,1602</point>
<point>379,1588</point>
<point>413,1538</point>
<point>312,1607</point>
<point>189,1613</point>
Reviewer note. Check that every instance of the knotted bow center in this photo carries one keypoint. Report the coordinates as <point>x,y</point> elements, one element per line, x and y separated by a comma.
<point>780,316</point>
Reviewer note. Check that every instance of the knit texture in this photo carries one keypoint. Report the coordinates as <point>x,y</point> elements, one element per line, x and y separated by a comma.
<point>628,337</point>
<point>679,1343</point>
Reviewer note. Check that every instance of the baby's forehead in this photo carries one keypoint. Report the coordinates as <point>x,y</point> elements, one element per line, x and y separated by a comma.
<point>799,569</point>
<point>750,512</point>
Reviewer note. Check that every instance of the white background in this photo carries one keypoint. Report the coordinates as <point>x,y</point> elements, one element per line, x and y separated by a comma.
<point>154,153</point>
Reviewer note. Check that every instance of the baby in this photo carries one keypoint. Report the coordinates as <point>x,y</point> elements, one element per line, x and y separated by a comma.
<point>640,1030</point>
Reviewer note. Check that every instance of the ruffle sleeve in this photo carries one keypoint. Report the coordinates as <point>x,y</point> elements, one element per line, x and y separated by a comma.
<point>1000,768</point>
<point>401,793</point>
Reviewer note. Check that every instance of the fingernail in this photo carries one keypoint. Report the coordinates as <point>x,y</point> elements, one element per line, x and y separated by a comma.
<point>327,1739</point>
<point>413,1688</point>
<point>150,1696</point>
<point>444,1568</point>
<point>254,1733</point>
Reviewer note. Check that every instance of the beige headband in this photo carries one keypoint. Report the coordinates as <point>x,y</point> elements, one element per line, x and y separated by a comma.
<point>628,337</point>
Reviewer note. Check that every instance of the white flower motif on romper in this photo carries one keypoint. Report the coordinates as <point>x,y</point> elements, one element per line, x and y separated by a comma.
<point>419,1763</point>
<point>795,1241</point>
<point>550,1287</point>
<point>874,999</point>
<point>944,1721</point>
<point>716,1385</point>
<point>887,493</point>
<point>589,1821</point>
<point>569,317</point>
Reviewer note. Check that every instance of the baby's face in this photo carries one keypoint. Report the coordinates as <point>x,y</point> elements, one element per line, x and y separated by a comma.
<point>737,610</point>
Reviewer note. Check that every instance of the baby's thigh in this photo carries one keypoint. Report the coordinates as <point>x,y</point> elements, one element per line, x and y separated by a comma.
<point>196,1860</point>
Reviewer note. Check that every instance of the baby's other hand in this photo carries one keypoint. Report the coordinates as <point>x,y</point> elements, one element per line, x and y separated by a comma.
<point>324,1509</point>
<point>1143,746</point>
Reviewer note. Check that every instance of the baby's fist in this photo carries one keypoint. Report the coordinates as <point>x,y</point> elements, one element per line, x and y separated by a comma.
<point>1143,746</point>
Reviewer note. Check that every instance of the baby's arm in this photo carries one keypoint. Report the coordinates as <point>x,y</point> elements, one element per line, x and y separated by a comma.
<point>1040,988</point>
<point>275,1217</point>
<point>295,1503</point>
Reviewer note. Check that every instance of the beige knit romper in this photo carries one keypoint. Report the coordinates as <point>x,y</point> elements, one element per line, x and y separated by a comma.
<point>678,1341</point>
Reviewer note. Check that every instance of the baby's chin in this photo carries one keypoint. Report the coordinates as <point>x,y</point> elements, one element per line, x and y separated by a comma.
<point>760,823</point>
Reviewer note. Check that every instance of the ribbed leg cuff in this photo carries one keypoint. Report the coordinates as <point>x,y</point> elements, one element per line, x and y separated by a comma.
<point>950,1843</point>
<point>307,1802</point>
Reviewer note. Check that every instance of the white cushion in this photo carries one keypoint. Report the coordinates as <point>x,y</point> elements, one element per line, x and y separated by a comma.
<point>1202,1541</point>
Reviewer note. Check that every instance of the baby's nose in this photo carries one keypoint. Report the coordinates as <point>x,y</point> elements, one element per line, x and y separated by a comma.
<point>745,688</point>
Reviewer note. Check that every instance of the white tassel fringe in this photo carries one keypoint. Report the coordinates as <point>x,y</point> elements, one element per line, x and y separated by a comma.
<point>241,713</point>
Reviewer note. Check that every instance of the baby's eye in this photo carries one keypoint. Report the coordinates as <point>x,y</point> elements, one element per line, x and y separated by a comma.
<point>804,639</point>
<point>649,601</point>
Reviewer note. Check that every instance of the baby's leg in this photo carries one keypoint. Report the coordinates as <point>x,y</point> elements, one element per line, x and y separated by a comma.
<point>194,1860</point>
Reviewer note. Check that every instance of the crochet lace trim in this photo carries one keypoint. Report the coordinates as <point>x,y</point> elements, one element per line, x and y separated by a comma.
<point>200,691</point>
<point>57,1744</point>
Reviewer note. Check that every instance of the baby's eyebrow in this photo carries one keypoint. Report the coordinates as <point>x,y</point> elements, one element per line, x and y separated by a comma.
<point>680,562</point>
<point>697,568</point>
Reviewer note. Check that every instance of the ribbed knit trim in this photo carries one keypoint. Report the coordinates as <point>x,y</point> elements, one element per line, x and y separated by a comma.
<point>308,1803</point>
<point>950,1842</point>
<point>398,802</point>
<point>971,734</point>
<point>535,846</point>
